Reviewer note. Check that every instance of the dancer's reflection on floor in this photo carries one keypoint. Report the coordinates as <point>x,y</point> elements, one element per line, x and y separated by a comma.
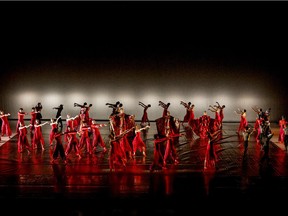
<point>60,178</point>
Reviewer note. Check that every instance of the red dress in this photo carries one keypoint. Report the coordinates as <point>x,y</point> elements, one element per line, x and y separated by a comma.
<point>22,140</point>
<point>97,138</point>
<point>5,126</point>
<point>137,142</point>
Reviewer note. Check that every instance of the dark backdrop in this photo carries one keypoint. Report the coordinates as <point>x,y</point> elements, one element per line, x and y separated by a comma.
<point>98,52</point>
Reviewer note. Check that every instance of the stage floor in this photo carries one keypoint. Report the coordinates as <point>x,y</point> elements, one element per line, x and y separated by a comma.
<point>86,186</point>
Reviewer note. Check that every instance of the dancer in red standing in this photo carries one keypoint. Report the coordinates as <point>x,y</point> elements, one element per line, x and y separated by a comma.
<point>85,139</point>
<point>23,142</point>
<point>187,107</point>
<point>53,124</point>
<point>210,155</point>
<point>73,142</point>
<point>97,138</point>
<point>38,136</point>
<point>243,121</point>
<point>21,115</point>
<point>117,157</point>
<point>137,142</point>
<point>33,114</point>
<point>70,121</point>
<point>144,120</point>
<point>282,125</point>
<point>5,128</point>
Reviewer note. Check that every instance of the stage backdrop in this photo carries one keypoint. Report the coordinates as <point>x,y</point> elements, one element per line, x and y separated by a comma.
<point>103,53</point>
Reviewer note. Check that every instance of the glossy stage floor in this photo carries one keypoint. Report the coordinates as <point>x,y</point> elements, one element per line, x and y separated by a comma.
<point>30,184</point>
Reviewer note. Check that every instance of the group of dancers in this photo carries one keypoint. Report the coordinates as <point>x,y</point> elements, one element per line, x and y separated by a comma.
<point>127,138</point>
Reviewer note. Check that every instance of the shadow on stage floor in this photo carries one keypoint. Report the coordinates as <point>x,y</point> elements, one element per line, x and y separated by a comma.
<point>30,184</point>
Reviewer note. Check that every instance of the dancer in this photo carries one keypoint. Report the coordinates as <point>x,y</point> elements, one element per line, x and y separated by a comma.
<point>137,142</point>
<point>258,111</point>
<point>158,158</point>
<point>38,136</point>
<point>266,137</point>
<point>169,149</point>
<point>38,109</point>
<point>144,121</point>
<point>243,121</point>
<point>187,115</point>
<point>217,119</point>
<point>282,125</point>
<point>221,112</point>
<point>5,128</point>
<point>246,137</point>
<point>73,142</point>
<point>85,139</point>
<point>33,114</point>
<point>58,114</point>
<point>165,107</point>
<point>203,125</point>
<point>210,156</point>
<point>116,154</point>
<point>23,142</point>
<point>286,137</point>
<point>97,138</point>
<point>21,115</point>
<point>59,149</point>
<point>53,124</point>
<point>70,121</point>
<point>84,109</point>
<point>115,107</point>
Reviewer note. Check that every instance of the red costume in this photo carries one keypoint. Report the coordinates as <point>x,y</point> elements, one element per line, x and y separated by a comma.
<point>5,128</point>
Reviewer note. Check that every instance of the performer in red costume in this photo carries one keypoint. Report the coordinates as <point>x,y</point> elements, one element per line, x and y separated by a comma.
<point>165,107</point>
<point>144,120</point>
<point>97,138</point>
<point>210,155</point>
<point>117,157</point>
<point>33,114</point>
<point>188,113</point>
<point>221,112</point>
<point>115,107</point>
<point>38,136</point>
<point>84,109</point>
<point>170,152</point>
<point>23,142</point>
<point>21,115</point>
<point>85,139</point>
<point>53,124</point>
<point>204,125</point>
<point>70,121</point>
<point>243,120</point>
<point>5,128</point>
<point>73,142</point>
<point>159,148</point>
<point>137,142</point>
<point>282,125</point>
<point>58,149</point>
<point>217,120</point>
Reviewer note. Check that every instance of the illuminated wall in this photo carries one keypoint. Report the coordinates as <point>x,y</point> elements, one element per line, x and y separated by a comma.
<point>172,53</point>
